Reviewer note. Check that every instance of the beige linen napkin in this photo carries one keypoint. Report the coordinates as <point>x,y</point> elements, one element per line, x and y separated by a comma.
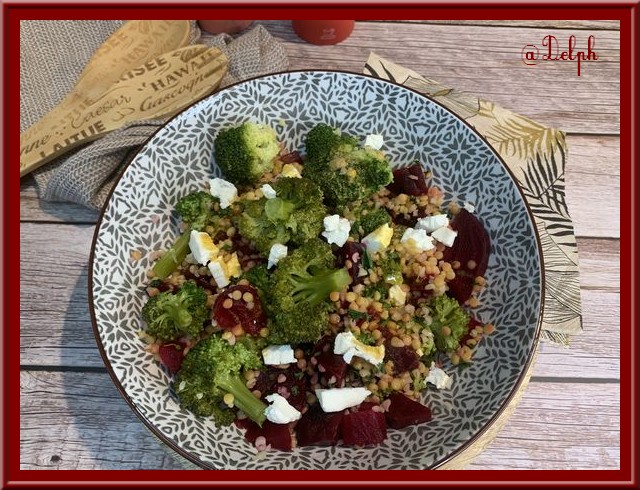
<point>87,175</point>
<point>536,155</point>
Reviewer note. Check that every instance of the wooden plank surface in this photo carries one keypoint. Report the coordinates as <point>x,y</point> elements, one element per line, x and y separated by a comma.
<point>592,175</point>
<point>538,24</point>
<point>451,54</point>
<point>59,332</point>
<point>72,416</point>
<point>74,434</point>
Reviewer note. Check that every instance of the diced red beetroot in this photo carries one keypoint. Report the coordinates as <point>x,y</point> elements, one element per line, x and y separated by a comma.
<point>471,244</point>
<point>201,281</point>
<point>171,355</point>
<point>404,358</point>
<point>364,406</point>
<point>403,412</point>
<point>333,365</point>
<point>352,251</point>
<point>244,249</point>
<point>473,323</point>
<point>293,157</point>
<point>363,428</point>
<point>409,180</point>
<point>323,345</point>
<point>252,320</point>
<point>318,428</point>
<point>279,436</point>
<point>293,387</point>
<point>291,383</point>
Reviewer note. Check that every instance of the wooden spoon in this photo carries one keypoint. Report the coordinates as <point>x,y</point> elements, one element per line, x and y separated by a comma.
<point>159,88</point>
<point>133,44</point>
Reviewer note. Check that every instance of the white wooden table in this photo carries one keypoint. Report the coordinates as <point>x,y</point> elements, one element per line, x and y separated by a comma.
<point>72,417</point>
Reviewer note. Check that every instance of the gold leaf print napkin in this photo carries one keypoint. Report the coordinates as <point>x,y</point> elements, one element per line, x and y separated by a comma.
<point>536,154</point>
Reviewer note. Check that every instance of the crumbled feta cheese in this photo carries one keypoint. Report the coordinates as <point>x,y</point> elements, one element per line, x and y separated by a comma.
<point>219,272</point>
<point>202,247</point>
<point>397,295</point>
<point>275,355</point>
<point>336,229</point>
<point>348,346</point>
<point>277,252</point>
<point>337,399</point>
<point>445,235</point>
<point>432,223</point>
<point>378,239</point>
<point>469,207</point>
<point>439,378</point>
<point>289,170</point>
<point>280,411</point>
<point>223,190</point>
<point>268,191</point>
<point>374,141</point>
<point>417,240</point>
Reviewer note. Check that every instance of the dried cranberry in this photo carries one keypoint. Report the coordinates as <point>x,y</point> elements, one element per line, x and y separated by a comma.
<point>252,320</point>
<point>409,180</point>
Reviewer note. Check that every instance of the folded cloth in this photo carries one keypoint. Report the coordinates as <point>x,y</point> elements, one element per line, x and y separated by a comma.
<point>536,155</point>
<point>86,175</point>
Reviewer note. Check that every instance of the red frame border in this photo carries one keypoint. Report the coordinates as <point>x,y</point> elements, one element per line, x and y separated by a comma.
<point>626,12</point>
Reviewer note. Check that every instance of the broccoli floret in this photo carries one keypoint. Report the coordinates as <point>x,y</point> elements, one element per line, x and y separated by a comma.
<point>295,215</point>
<point>364,217</point>
<point>344,170</point>
<point>214,368</point>
<point>390,269</point>
<point>307,212</point>
<point>300,288</point>
<point>246,152</point>
<point>195,209</point>
<point>254,224</point>
<point>259,277</point>
<point>371,220</point>
<point>447,312</point>
<point>170,315</point>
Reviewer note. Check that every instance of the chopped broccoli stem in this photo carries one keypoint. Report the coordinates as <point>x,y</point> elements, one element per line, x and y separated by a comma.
<point>173,257</point>
<point>243,398</point>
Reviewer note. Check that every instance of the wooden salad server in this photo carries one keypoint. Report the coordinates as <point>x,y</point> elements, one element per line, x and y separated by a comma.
<point>133,44</point>
<point>157,89</point>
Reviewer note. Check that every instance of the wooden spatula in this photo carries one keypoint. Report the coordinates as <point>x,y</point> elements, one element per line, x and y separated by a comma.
<point>159,88</point>
<point>133,44</point>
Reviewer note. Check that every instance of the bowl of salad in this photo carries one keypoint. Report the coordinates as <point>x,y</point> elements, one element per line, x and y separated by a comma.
<point>316,270</point>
